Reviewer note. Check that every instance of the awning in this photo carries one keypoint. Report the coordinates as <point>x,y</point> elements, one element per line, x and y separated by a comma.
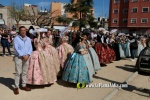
<point>2,22</point>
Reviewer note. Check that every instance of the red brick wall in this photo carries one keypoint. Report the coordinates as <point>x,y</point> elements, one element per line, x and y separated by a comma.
<point>121,5</point>
<point>140,4</point>
<point>111,14</point>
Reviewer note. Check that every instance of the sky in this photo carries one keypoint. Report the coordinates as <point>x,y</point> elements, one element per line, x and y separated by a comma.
<point>101,6</point>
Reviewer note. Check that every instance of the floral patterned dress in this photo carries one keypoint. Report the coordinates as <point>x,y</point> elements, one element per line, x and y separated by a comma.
<point>94,57</point>
<point>53,55</point>
<point>102,52</point>
<point>76,69</point>
<point>40,70</point>
<point>64,52</point>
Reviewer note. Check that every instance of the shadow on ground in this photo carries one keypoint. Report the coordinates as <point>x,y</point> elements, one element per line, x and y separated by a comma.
<point>7,54</point>
<point>140,91</point>
<point>66,84</point>
<point>59,82</point>
<point>108,80</point>
<point>38,86</point>
<point>129,65</point>
<point>8,82</point>
<point>129,69</point>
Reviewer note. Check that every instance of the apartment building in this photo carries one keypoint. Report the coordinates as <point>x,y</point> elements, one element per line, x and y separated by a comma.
<point>130,16</point>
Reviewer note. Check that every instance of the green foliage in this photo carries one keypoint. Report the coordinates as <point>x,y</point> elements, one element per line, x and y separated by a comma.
<point>63,19</point>
<point>81,11</point>
<point>75,24</point>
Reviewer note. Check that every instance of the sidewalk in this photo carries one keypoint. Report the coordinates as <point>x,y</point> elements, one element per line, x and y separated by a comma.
<point>139,89</point>
<point>116,72</point>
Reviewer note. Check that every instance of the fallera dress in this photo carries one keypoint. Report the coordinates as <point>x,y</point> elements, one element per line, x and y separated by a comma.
<point>53,55</point>
<point>140,48</point>
<point>64,52</point>
<point>94,57</point>
<point>40,70</point>
<point>102,52</point>
<point>79,67</point>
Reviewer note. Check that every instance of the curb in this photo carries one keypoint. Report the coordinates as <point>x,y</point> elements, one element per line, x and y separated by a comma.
<point>131,77</point>
<point>110,95</point>
<point>114,92</point>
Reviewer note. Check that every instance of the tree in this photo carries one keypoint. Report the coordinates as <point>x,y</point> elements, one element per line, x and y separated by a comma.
<point>92,22</point>
<point>81,11</point>
<point>43,18</point>
<point>16,12</point>
<point>64,20</point>
<point>75,24</point>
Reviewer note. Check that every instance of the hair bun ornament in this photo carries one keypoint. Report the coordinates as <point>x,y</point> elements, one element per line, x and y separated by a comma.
<point>41,30</point>
<point>65,38</point>
<point>31,31</point>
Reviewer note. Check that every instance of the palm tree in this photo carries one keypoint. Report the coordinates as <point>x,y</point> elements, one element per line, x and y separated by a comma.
<point>81,10</point>
<point>64,20</point>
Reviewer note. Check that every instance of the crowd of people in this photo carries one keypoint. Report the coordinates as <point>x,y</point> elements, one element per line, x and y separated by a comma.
<point>6,38</point>
<point>42,55</point>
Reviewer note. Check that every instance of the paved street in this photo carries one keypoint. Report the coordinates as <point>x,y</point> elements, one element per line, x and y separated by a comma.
<point>116,72</point>
<point>139,89</point>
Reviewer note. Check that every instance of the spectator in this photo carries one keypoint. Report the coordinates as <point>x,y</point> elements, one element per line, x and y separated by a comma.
<point>5,41</point>
<point>133,46</point>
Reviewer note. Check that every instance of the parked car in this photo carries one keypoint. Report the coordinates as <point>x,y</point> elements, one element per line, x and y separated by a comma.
<point>143,61</point>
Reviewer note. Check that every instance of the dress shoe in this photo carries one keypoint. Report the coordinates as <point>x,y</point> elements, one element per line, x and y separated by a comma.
<point>25,88</point>
<point>16,91</point>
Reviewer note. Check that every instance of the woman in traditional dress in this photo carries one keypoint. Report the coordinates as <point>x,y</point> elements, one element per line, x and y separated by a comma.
<point>101,48</point>
<point>141,45</point>
<point>93,54</point>
<point>64,51</point>
<point>128,54</point>
<point>40,70</point>
<point>79,68</point>
<point>111,46</point>
<point>87,57</point>
<point>123,46</point>
<point>53,53</point>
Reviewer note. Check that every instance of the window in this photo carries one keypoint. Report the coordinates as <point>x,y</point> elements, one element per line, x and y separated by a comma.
<point>135,0</point>
<point>145,9</point>
<point>125,10</point>
<point>1,16</point>
<point>116,1</point>
<point>144,20</point>
<point>126,1</point>
<point>133,20</point>
<point>134,10</point>
<point>115,20</point>
<point>115,11</point>
<point>125,20</point>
